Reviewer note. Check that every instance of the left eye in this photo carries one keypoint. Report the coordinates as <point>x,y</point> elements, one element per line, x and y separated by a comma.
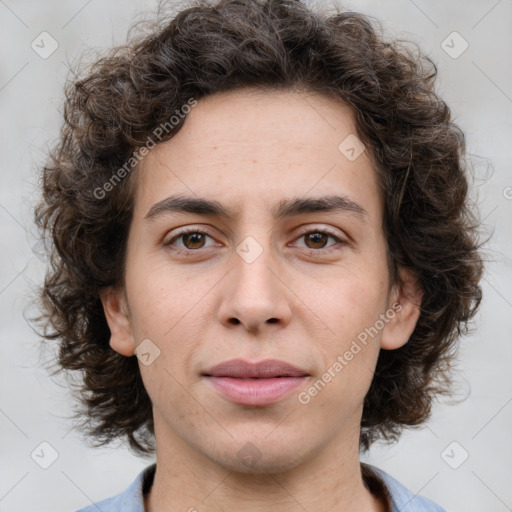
<point>319,239</point>
<point>195,239</point>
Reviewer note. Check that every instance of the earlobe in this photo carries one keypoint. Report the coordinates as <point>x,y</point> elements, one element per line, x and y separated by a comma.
<point>118,319</point>
<point>403,312</point>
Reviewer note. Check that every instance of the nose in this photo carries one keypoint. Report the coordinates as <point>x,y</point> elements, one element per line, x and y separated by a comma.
<point>254,295</point>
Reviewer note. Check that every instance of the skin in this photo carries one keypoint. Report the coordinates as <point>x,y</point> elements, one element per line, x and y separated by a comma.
<point>251,149</point>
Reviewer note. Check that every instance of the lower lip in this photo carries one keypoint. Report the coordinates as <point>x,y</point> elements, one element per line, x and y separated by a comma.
<point>255,391</point>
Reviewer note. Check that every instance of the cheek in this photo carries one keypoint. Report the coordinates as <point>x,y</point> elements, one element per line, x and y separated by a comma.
<point>168,308</point>
<point>349,356</point>
<point>355,298</point>
<point>351,307</point>
<point>159,295</point>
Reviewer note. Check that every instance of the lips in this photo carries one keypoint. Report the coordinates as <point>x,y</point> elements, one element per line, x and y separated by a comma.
<point>240,369</point>
<point>255,384</point>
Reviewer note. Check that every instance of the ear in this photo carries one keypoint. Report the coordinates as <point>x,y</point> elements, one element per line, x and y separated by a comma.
<point>117,314</point>
<point>403,311</point>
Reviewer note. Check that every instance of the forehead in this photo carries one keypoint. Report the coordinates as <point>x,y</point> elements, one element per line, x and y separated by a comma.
<point>251,146</point>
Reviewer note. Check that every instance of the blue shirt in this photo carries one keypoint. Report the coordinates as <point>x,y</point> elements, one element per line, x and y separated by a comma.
<point>399,498</point>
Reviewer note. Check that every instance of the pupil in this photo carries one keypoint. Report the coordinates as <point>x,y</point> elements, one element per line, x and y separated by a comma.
<point>316,237</point>
<point>196,238</point>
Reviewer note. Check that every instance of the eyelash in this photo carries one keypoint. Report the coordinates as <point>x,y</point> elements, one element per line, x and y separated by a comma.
<point>323,231</point>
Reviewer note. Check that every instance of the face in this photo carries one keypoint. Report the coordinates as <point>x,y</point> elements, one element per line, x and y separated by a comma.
<point>259,277</point>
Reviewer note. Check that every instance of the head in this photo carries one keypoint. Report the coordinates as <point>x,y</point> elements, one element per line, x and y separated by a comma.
<point>336,222</point>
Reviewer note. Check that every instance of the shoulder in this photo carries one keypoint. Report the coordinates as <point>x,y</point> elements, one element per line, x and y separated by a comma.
<point>108,505</point>
<point>402,499</point>
<point>130,500</point>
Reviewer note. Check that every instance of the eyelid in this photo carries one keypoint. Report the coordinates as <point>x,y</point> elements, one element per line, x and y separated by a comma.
<point>320,229</point>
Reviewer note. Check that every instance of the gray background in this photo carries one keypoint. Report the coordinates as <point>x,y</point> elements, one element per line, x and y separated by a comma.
<point>477,85</point>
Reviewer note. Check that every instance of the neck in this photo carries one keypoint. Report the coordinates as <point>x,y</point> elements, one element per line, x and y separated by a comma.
<point>187,480</point>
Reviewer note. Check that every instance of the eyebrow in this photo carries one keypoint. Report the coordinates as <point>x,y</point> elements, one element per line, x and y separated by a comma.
<point>284,209</point>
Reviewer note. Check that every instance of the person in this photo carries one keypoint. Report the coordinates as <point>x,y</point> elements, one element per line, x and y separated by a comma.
<point>263,255</point>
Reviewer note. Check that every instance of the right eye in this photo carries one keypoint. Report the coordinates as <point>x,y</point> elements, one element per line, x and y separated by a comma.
<point>192,239</point>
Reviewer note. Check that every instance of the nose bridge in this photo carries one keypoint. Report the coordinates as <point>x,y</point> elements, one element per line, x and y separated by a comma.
<point>254,295</point>
<point>254,261</point>
<point>254,251</point>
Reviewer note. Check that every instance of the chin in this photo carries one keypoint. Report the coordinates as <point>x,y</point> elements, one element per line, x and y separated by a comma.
<point>261,456</point>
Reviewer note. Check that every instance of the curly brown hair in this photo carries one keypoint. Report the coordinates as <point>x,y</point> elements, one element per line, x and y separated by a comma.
<point>418,153</point>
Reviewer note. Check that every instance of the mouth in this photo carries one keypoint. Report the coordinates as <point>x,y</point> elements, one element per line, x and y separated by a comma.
<point>255,384</point>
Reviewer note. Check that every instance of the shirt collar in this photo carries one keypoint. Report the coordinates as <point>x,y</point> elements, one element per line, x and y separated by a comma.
<point>398,497</point>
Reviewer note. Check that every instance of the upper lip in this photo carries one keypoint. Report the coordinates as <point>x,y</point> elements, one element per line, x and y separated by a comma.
<point>238,368</point>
